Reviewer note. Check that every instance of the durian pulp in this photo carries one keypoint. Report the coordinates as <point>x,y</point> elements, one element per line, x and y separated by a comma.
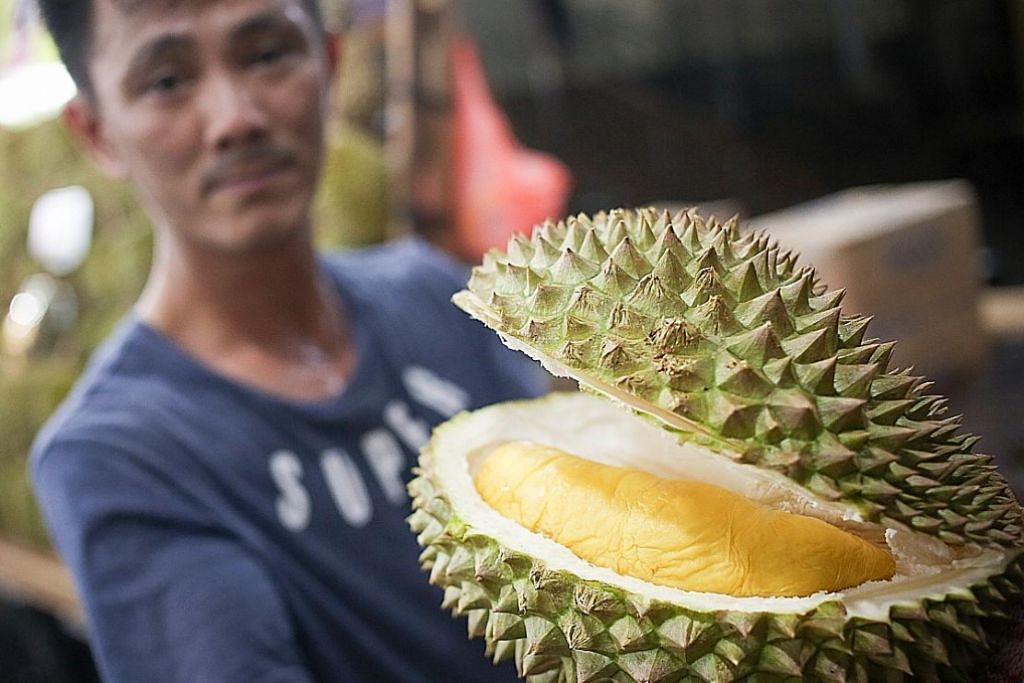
<point>606,433</point>
<point>686,534</point>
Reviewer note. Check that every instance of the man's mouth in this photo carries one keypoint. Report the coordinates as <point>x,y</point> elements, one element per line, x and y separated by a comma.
<point>248,171</point>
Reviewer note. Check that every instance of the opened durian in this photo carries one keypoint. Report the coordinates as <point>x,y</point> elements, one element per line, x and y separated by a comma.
<point>743,490</point>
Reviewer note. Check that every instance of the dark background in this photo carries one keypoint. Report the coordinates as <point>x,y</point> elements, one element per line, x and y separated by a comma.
<point>768,103</point>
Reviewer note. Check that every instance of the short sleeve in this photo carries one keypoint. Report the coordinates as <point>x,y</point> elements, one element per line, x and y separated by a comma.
<point>408,287</point>
<point>514,374</point>
<point>168,595</point>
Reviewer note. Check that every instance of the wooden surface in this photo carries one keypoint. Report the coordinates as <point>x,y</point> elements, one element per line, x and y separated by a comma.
<point>38,578</point>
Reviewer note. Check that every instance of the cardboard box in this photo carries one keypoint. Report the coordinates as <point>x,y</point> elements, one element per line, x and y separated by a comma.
<point>906,254</point>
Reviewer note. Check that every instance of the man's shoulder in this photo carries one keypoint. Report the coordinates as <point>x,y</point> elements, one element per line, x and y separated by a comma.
<point>408,263</point>
<point>116,398</point>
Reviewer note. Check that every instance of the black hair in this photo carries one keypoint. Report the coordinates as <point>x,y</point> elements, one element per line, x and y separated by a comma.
<point>70,24</point>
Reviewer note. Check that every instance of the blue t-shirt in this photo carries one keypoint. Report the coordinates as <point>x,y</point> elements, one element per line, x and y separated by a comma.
<point>218,533</point>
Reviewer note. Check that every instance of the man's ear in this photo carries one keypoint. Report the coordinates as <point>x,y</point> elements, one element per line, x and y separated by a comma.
<point>86,126</point>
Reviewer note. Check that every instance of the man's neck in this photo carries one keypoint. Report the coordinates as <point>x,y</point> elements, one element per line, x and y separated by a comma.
<point>270,319</point>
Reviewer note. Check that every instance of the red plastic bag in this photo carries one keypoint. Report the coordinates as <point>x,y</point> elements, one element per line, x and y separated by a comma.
<point>500,187</point>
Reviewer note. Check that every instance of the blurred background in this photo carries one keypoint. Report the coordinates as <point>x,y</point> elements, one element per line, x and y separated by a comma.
<point>883,139</point>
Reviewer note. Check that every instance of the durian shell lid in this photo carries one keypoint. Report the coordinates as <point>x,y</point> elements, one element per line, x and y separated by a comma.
<point>721,339</point>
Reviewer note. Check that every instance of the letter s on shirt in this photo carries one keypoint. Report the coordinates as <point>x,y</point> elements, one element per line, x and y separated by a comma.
<point>293,505</point>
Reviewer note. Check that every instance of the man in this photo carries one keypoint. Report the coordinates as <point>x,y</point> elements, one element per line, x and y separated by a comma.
<point>226,482</point>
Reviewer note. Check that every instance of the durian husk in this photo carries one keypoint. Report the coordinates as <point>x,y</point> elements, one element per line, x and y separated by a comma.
<point>563,619</point>
<point>720,342</point>
<point>723,341</point>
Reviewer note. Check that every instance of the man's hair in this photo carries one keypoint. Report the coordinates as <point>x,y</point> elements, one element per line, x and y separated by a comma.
<point>70,23</point>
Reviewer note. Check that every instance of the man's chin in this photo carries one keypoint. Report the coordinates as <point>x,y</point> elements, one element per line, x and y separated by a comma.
<point>259,238</point>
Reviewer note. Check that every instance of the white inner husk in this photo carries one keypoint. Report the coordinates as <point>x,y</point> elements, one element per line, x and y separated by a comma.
<point>602,431</point>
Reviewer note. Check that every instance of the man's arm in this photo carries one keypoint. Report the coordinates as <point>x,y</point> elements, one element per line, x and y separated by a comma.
<point>168,595</point>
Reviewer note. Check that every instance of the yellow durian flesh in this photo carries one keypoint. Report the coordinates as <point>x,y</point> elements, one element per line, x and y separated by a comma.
<point>679,533</point>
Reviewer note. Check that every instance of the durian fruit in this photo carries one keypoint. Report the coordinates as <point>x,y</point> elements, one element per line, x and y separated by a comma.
<point>674,532</point>
<point>708,356</point>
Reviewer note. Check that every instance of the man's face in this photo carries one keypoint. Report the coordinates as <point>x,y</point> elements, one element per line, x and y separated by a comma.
<point>215,110</point>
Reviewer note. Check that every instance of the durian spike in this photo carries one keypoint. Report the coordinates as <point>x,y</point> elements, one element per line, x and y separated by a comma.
<point>732,227</point>
<point>629,258</point>
<point>768,307</point>
<point>709,260</point>
<point>544,252</point>
<point>682,218</point>
<point>662,223</point>
<point>667,241</point>
<point>671,271</point>
<point>643,236</point>
<point>705,285</point>
<point>722,246</point>
<point>689,239</point>
<point>745,283</point>
<point>714,317</point>
<point>572,269</point>
<point>547,230</point>
<point>493,257</point>
<point>592,249</point>
<point>614,280</point>
<point>798,294</point>
<point>759,258</point>
<point>700,229</point>
<point>510,279</point>
<point>851,330</point>
<point>520,250</point>
<point>574,235</point>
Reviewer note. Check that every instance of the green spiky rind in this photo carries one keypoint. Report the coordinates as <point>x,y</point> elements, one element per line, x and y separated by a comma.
<point>728,344</point>
<point>558,627</point>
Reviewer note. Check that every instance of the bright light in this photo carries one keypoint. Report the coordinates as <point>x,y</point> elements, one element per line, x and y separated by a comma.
<point>34,92</point>
<point>27,309</point>
<point>60,229</point>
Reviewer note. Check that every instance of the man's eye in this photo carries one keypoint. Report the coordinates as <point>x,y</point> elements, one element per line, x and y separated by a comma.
<point>268,54</point>
<point>165,83</point>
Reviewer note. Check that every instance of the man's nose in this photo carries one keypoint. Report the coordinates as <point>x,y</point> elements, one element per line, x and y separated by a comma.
<point>234,113</point>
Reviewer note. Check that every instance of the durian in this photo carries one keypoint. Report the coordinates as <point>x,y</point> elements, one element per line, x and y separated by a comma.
<point>727,366</point>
